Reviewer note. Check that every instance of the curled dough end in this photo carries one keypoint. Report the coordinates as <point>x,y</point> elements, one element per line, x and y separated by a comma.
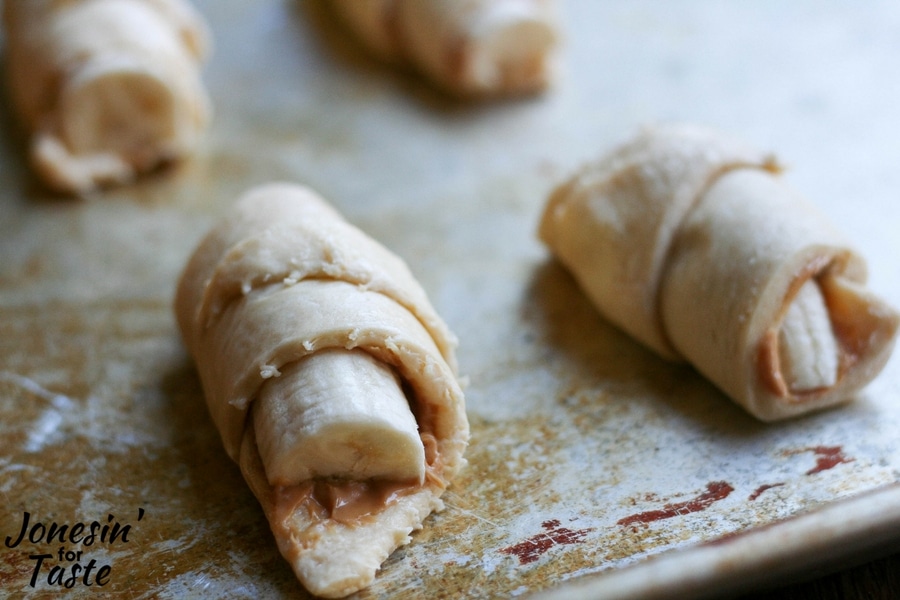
<point>334,559</point>
<point>330,377</point>
<point>613,223</point>
<point>62,171</point>
<point>488,48</point>
<point>694,245</point>
<point>108,89</point>
<point>480,48</point>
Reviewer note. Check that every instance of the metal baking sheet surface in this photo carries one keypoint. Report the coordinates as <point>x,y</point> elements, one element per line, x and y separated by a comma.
<point>595,467</point>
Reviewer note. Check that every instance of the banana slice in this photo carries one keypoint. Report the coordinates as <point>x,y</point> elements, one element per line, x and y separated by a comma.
<point>691,242</point>
<point>330,377</point>
<point>120,108</point>
<point>108,89</point>
<point>807,345</point>
<point>480,47</point>
<point>342,414</point>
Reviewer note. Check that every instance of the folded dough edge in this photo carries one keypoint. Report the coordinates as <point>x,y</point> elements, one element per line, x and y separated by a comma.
<point>691,242</point>
<point>246,309</point>
<point>613,223</point>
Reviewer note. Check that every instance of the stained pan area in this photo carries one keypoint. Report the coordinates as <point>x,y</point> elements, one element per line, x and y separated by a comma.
<point>595,467</point>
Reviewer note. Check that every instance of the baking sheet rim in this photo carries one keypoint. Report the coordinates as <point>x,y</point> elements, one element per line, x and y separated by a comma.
<point>865,526</point>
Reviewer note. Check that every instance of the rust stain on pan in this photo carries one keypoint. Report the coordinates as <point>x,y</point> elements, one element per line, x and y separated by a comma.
<point>534,547</point>
<point>715,491</point>
<point>828,457</point>
<point>761,489</point>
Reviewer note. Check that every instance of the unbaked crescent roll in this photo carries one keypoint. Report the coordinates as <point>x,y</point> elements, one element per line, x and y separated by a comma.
<point>476,47</point>
<point>107,89</point>
<point>693,244</point>
<point>330,377</point>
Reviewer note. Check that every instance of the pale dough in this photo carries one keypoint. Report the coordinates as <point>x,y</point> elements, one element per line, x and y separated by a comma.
<point>691,242</point>
<point>106,89</point>
<point>468,47</point>
<point>282,277</point>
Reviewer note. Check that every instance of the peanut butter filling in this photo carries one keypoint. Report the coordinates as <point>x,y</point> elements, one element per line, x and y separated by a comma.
<point>351,502</point>
<point>850,323</point>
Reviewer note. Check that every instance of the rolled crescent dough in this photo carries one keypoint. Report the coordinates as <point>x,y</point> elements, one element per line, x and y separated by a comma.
<point>283,278</point>
<point>475,47</point>
<point>107,89</point>
<point>693,244</point>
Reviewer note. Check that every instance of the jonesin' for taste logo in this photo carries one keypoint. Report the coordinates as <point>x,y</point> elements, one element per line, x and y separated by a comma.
<point>66,562</point>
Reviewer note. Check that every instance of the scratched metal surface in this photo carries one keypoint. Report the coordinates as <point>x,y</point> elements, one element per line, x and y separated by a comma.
<point>590,457</point>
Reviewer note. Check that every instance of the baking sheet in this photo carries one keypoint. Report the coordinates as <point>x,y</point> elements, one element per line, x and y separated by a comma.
<point>594,467</point>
